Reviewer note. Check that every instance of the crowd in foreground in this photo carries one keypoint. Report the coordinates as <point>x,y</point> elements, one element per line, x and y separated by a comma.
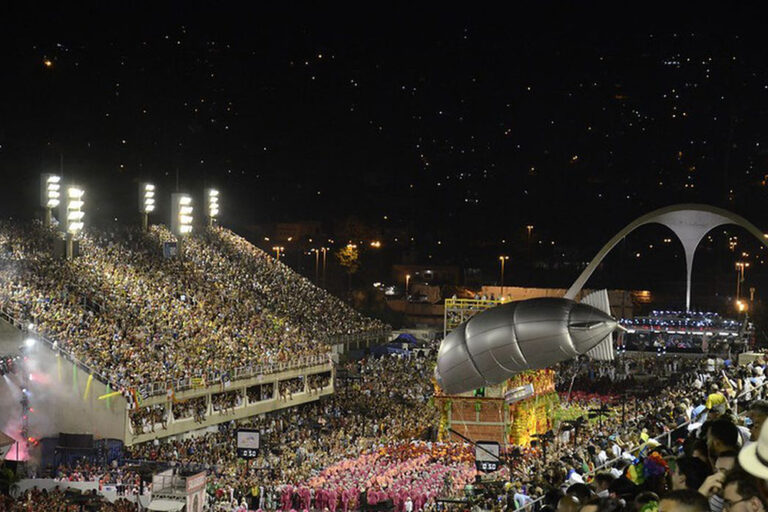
<point>135,317</point>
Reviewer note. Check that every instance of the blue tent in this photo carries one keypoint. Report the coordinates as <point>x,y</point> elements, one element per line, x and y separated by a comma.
<point>390,348</point>
<point>406,338</point>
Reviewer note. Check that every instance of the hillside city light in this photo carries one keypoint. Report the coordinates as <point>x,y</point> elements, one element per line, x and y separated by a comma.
<point>181,214</point>
<point>213,204</point>
<point>73,210</point>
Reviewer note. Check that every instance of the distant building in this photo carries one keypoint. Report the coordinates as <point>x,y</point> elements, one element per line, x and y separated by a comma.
<point>427,274</point>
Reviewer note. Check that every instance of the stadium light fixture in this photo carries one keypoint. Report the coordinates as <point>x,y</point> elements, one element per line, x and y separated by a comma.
<point>181,214</point>
<point>73,209</point>
<point>71,214</point>
<point>213,204</point>
<point>146,202</point>
<point>50,194</point>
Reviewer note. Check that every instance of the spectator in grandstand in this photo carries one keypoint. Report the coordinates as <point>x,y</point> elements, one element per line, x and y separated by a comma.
<point>684,500</point>
<point>688,473</point>
<point>757,413</point>
<point>722,436</point>
<point>741,493</point>
<point>715,402</point>
<point>227,305</point>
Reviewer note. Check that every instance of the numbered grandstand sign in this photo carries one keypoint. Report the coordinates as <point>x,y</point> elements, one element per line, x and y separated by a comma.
<point>487,456</point>
<point>247,443</point>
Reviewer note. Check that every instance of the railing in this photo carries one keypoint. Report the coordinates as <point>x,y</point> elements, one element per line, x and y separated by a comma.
<point>664,438</point>
<point>182,384</point>
<point>363,335</point>
<point>472,303</point>
<point>242,372</point>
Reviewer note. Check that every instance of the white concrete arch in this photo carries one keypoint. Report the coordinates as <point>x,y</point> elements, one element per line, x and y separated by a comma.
<point>690,222</point>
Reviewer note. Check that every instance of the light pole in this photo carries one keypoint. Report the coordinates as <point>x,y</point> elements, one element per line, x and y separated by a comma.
<point>317,263</point>
<point>146,203</point>
<point>279,249</point>
<point>529,228</point>
<point>740,266</point>
<point>407,282</point>
<point>324,250</point>
<point>181,218</point>
<point>502,260</point>
<point>71,215</point>
<point>50,187</point>
<point>213,205</point>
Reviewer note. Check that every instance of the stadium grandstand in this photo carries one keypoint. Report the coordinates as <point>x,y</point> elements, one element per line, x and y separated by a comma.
<point>177,343</point>
<point>680,331</point>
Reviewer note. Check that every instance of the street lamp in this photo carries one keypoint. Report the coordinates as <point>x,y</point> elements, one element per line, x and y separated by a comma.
<point>529,228</point>
<point>213,205</point>
<point>71,215</point>
<point>324,250</point>
<point>317,262</point>
<point>279,249</point>
<point>407,282</point>
<point>146,203</point>
<point>740,267</point>
<point>50,193</point>
<point>502,259</point>
<point>181,217</point>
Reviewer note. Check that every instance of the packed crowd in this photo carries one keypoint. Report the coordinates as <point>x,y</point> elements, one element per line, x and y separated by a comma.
<point>691,401</point>
<point>136,317</point>
<point>372,410</point>
<point>358,448</point>
<point>63,501</point>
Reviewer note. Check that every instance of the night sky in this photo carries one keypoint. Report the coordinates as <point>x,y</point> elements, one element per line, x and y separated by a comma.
<point>451,127</point>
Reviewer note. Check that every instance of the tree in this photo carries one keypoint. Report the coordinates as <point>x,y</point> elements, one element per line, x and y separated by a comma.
<point>349,258</point>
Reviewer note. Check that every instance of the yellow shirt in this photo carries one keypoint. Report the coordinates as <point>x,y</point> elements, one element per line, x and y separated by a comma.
<point>714,400</point>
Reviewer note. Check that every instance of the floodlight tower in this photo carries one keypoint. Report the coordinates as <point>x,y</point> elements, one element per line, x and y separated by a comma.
<point>181,217</point>
<point>146,203</point>
<point>49,195</point>
<point>71,214</point>
<point>213,205</point>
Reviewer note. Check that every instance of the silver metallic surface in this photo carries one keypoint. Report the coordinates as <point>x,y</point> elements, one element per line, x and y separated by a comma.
<point>494,345</point>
